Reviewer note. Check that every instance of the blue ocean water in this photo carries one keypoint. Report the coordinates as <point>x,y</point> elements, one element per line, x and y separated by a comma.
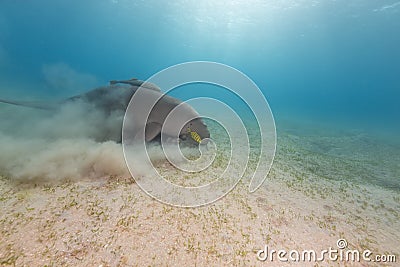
<point>334,62</point>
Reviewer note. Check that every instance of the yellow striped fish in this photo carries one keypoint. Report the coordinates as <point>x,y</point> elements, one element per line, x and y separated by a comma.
<point>195,136</point>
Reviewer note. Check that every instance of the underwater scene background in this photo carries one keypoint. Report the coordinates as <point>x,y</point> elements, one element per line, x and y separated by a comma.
<point>328,69</point>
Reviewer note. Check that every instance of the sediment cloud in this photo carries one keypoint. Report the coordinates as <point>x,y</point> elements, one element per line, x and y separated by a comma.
<point>68,144</point>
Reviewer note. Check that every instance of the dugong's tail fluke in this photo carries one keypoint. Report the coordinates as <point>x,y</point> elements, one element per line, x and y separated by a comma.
<point>31,104</point>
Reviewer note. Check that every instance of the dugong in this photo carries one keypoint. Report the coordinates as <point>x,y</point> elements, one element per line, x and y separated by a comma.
<point>116,97</point>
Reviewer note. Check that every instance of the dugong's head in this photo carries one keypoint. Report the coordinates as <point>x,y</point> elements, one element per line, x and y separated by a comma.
<point>195,130</point>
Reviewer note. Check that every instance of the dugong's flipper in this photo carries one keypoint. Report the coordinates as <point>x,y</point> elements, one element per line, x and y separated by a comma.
<point>152,130</point>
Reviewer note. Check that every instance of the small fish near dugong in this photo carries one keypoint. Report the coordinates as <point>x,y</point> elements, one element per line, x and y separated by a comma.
<point>116,97</point>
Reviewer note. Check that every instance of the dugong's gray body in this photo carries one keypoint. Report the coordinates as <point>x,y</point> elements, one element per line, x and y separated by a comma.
<point>109,99</point>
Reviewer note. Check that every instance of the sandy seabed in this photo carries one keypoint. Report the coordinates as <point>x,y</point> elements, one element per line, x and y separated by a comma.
<point>311,198</point>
